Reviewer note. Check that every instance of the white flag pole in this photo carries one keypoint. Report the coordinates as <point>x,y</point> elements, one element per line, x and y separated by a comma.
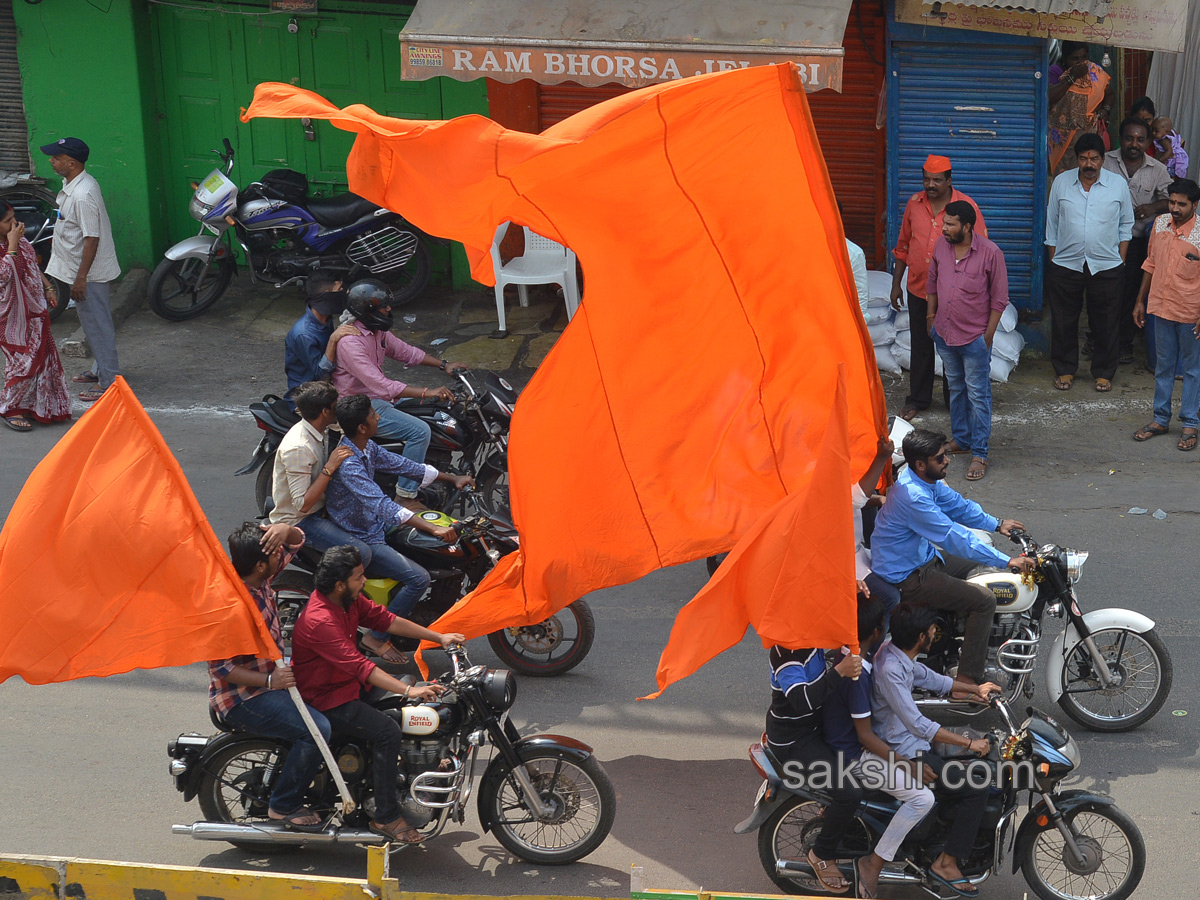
<point>348,804</point>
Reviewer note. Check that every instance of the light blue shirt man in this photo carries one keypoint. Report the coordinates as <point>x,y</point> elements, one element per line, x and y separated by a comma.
<point>1088,226</point>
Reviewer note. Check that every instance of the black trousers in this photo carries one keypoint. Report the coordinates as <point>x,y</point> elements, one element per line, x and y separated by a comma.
<point>364,722</point>
<point>1135,255</point>
<point>941,585</point>
<point>1067,291</point>
<point>813,750</point>
<point>968,804</point>
<point>920,368</point>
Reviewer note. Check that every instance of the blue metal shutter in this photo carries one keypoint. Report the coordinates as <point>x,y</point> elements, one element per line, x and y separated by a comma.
<point>983,105</point>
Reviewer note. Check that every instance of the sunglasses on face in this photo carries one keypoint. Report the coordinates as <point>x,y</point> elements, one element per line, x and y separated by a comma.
<point>941,457</point>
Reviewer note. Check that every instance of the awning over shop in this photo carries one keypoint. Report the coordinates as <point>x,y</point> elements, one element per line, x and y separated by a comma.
<point>629,42</point>
<point>1049,7</point>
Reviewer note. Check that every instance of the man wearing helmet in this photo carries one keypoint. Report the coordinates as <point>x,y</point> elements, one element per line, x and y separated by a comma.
<point>359,370</point>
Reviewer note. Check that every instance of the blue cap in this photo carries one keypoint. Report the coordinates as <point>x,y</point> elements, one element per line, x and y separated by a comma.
<point>72,147</point>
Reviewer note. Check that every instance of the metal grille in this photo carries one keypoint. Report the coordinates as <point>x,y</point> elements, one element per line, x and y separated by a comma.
<point>383,250</point>
<point>14,132</point>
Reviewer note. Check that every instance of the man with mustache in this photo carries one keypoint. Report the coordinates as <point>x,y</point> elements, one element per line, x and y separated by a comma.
<point>1089,221</point>
<point>1171,280</point>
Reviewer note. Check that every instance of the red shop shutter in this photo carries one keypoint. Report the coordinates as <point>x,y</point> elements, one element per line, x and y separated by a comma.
<point>560,101</point>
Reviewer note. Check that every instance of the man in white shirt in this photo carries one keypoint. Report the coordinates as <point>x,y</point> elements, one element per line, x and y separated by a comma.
<point>84,257</point>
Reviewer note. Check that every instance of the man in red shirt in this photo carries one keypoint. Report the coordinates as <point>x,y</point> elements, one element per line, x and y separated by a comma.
<point>333,676</point>
<point>920,230</point>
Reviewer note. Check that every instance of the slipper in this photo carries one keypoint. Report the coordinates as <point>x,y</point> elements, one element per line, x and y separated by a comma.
<point>909,413</point>
<point>953,447</point>
<point>1064,382</point>
<point>88,377</point>
<point>1103,385</point>
<point>861,890</point>
<point>820,866</point>
<point>1187,440</point>
<point>1148,431</point>
<point>385,650</point>
<point>977,469</point>
<point>91,395</point>
<point>399,831</point>
<point>290,821</point>
<point>954,885</point>
<point>20,423</point>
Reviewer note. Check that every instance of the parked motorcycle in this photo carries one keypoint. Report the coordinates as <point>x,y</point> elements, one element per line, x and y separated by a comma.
<point>1071,844</point>
<point>284,235</point>
<point>551,647</point>
<point>468,436</point>
<point>546,798</point>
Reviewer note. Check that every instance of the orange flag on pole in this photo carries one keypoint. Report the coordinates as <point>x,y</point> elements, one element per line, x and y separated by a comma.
<point>691,392</point>
<point>107,563</point>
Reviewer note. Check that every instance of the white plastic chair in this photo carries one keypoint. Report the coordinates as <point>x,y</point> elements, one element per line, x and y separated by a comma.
<point>544,262</point>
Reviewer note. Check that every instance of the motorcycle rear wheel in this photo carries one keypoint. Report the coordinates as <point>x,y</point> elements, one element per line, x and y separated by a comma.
<point>172,292</point>
<point>234,789</point>
<point>789,834</point>
<point>534,649</point>
<point>407,282</point>
<point>1144,665</point>
<point>493,490</point>
<point>583,799</point>
<point>1117,867</point>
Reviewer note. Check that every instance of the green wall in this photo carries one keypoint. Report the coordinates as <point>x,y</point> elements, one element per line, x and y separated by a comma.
<point>82,66</point>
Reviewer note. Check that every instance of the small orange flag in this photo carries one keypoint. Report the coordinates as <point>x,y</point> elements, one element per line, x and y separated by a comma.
<point>107,563</point>
<point>795,591</point>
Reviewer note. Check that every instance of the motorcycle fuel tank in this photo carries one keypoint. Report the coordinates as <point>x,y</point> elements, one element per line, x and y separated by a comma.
<point>419,720</point>
<point>261,214</point>
<point>1013,595</point>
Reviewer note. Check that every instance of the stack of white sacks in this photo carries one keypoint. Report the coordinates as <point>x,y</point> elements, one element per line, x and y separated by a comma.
<point>893,344</point>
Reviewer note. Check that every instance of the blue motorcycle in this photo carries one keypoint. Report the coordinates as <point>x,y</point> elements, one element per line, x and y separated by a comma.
<point>284,235</point>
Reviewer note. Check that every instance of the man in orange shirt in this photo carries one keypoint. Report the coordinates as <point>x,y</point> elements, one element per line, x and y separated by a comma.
<point>1171,279</point>
<point>919,233</point>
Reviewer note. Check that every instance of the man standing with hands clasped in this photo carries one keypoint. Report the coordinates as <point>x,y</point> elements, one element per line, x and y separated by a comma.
<point>968,291</point>
<point>84,257</point>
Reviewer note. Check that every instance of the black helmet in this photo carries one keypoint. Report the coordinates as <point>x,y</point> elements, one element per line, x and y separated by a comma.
<point>364,301</point>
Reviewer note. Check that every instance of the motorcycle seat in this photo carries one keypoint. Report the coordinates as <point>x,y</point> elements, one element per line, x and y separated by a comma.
<point>335,212</point>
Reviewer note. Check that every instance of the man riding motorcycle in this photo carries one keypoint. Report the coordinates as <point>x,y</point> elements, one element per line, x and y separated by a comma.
<point>922,511</point>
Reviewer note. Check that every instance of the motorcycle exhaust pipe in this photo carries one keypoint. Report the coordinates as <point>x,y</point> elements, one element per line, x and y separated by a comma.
<point>792,867</point>
<point>276,833</point>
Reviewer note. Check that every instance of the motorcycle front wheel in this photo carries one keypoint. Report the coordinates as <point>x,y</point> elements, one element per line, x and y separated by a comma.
<point>181,289</point>
<point>551,647</point>
<point>493,490</point>
<point>789,834</point>
<point>583,806</point>
<point>1143,668</point>
<point>236,787</point>
<point>1114,858</point>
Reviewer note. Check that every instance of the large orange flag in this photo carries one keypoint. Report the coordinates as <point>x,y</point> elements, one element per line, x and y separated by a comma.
<point>108,564</point>
<point>691,392</point>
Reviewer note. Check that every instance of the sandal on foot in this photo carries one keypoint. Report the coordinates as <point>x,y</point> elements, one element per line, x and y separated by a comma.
<point>977,469</point>
<point>18,423</point>
<point>91,395</point>
<point>1064,382</point>
<point>293,820</point>
<point>1149,431</point>
<point>953,447</point>
<point>399,831</point>
<point>1187,440</point>
<point>86,378</point>
<point>822,868</point>
<point>860,889</point>
<point>909,413</point>
<point>953,884</point>
<point>1103,385</point>
<point>385,650</point>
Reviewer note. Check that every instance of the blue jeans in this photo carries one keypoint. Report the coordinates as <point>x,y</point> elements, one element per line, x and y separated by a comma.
<point>397,426</point>
<point>1151,349</point>
<point>321,533</point>
<point>968,372</point>
<point>1176,347</point>
<point>387,563</point>
<point>274,714</point>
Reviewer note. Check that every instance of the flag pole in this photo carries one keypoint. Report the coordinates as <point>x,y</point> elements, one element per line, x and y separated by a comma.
<point>348,804</point>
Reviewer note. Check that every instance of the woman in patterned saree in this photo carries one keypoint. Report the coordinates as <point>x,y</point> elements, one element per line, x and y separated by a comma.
<point>34,385</point>
<point>1081,95</point>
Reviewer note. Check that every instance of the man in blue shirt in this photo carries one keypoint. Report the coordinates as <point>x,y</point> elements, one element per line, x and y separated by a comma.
<point>358,505</point>
<point>304,347</point>
<point>1089,221</point>
<point>921,511</point>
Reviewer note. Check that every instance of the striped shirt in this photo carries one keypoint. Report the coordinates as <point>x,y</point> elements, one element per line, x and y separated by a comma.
<point>800,683</point>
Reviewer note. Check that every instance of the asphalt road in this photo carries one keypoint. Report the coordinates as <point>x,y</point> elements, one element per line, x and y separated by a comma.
<point>84,764</point>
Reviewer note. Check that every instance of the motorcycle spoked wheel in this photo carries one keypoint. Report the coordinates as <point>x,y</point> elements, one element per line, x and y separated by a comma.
<point>407,282</point>
<point>789,834</point>
<point>493,489</point>
<point>584,806</point>
<point>234,788</point>
<point>551,647</point>
<point>293,588</point>
<point>175,292</point>
<point>1144,666</point>
<point>1115,858</point>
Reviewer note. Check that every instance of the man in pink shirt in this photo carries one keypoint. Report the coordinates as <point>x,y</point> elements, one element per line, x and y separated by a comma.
<point>360,371</point>
<point>968,292</point>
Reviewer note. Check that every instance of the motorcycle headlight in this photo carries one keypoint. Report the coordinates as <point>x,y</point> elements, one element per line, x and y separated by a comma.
<point>1075,561</point>
<point>1071,752</point>
<point>499,689</point>
<point>501,405</point>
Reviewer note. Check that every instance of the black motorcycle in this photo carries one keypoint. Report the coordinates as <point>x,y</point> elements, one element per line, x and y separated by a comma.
<point>1071,844</point>
<point>551,647</point>
<point>546,798</point>
<point>469,436</point>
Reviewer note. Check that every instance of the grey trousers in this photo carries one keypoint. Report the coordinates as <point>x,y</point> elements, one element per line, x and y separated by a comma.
<point>95,315</point>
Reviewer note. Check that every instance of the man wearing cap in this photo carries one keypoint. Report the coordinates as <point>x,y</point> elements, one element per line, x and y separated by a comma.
<point>919,232</point>
<point>309,350</point>
<point>83,256</point>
